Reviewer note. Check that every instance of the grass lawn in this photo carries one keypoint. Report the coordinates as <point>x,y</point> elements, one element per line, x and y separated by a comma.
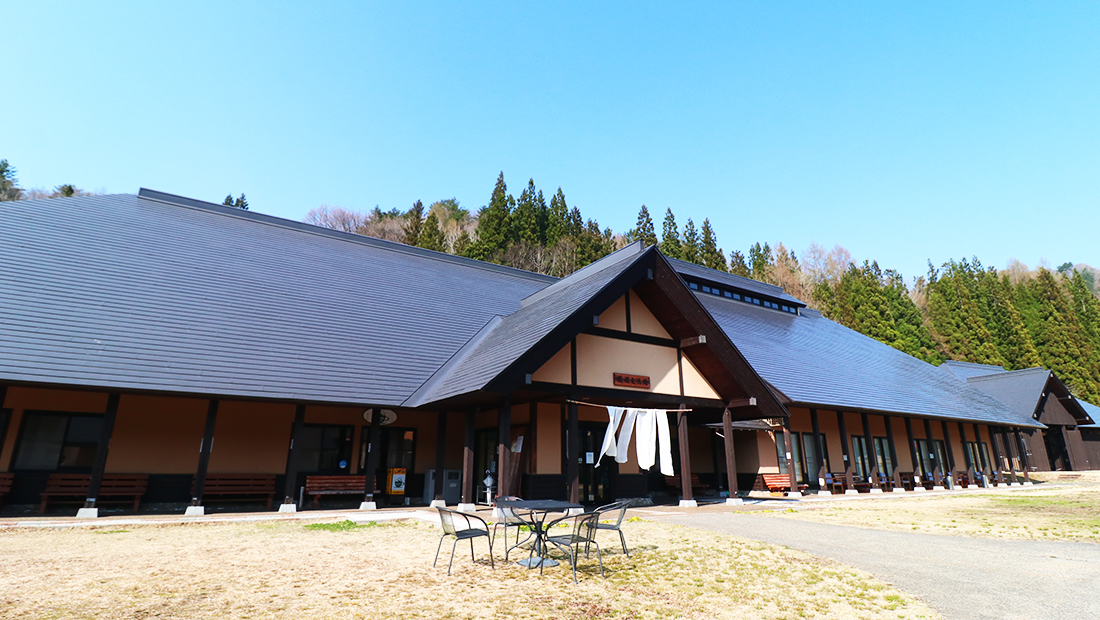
<point>292,570</point>
<point>1066,513</point>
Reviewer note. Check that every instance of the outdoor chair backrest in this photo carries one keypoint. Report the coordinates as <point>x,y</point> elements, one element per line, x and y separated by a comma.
<point>454,521</point>
<point>510,516</point>
<point>585,527</point>
<point>446,519</point>
<point>611,508</point>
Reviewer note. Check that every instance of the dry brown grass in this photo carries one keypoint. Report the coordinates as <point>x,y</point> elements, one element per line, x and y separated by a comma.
<point>288,570</point>
<point>1065,513</point>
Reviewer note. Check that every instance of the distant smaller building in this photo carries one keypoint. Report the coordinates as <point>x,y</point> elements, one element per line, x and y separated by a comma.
<point>1071,439</point>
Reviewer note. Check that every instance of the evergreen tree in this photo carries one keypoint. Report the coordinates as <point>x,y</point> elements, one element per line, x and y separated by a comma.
<point>494,225</point>
<point>738,266</point>
<point>1059,341</point>
<point>431,236</point>
<point>956,317</point>
<point>1010,335</point>
<point>671,246</point>
<point>712,255</point>
<point>9,183</point>
<point>239,202</point>
<point>761,261</point>
<point>462,244</point>
<point>644,231</point>
<point>557,221</point>
<point>414,222</point>
<point>527,215</point>
<point>691,250</point>
<point>574,224</point>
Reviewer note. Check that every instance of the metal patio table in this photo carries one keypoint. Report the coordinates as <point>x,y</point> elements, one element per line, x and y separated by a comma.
<point>537,509</point>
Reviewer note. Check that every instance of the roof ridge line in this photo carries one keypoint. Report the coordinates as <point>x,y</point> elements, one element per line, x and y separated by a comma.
<point>303,227</point>
<point>416,398</point>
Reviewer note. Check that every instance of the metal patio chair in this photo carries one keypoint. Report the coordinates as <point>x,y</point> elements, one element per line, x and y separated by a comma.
<point>512,520</point>
<point>582,532</point>
<point>461,526</point>
<point>610,510</point>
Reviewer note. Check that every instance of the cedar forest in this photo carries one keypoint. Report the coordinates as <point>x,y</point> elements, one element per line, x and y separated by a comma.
<point>1016,318</point>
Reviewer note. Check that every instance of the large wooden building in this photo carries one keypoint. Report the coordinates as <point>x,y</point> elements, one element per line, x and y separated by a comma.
<point>189,343</point>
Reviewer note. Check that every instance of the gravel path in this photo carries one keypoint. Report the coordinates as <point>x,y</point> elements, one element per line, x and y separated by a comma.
<point>962,578</point>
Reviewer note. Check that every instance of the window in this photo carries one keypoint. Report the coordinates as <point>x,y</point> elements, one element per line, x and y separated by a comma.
<point>706,289</point>
<point>979,455</point>
<point>882,453</point>
<point>324,448</point>
<point>693,286</point>
<point>52,441</point>
<point>931,456</point>
<point>803,454</point>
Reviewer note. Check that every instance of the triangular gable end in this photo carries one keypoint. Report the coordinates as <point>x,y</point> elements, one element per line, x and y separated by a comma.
<point>670,319</point>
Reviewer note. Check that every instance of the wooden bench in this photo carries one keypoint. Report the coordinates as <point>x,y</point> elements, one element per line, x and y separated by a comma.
<point>334,485</point>
<point>112,486</point>
<point>777,483</point>
<point>239,485</point>
<point>5,486</point>
<point>674,481</point>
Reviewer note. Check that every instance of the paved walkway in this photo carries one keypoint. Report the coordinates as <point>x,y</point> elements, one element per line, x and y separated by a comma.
<point>962,578</point>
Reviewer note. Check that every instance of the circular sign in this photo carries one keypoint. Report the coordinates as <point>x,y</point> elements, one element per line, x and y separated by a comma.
<point>386,418</point>
<point>343,464</point>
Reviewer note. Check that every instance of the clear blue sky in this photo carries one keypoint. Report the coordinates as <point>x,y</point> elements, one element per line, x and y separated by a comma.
<point>904,132</point>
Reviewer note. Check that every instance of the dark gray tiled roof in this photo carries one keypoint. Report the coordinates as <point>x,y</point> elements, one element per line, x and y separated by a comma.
<point>965,370</point>
<point>1019,390</point>
<point>134,293</point>
<point>1093,411</point>
<point>815,361</point>
<point>733,281</point>
<point>518,332</point>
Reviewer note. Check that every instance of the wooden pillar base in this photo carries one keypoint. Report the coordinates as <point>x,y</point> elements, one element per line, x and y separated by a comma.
<point>87,513</point>
<point>194,511</point>
<point>734,501</point>
<point>688,503</point>
<point>288,508</point>
<point>825,493</point>
<point>368,506</point>
<point>794,493</point>
<point>437,503</point>
<point>467,507</point>
<point>876,491</point>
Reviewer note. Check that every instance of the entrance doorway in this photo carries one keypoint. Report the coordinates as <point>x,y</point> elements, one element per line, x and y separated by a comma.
<point>597,484</point>
<point>1057,454</point>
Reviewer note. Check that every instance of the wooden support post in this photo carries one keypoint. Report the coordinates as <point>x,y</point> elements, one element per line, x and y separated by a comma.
<point>504,445</point>
<point>5,416</point>
<point>572,454</point>
<point>983,458</point>
<point>1025,463</point>
<point>292,458</point>
<point>997,450</point>
<point>895,471</point>
<point>205,448</point>
<point>440,457</point>
<point>937,467</point>
<point>849,481</point>
<point>819,457</point>
<point>731,460</point>
<point>792,475</point>
<point>950,454</point>
<point>531,447</point>
<point>468,483</point>
<point>685,459</point>
<point>99,464</point>
<point>872,456</point>
<point>1010,452</point>
<point>913,452</point>
<point>374,453</point>
<point>968,459</point>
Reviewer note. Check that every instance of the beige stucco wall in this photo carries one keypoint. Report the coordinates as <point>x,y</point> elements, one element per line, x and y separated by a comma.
<point>643,321</point>
<point>558,369</point>
<point>157,435</point>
